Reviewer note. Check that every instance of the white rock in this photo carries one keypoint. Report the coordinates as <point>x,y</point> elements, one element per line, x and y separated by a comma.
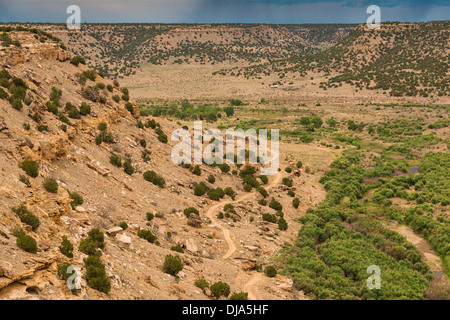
<point>80,209</point>
<point>115,230</point>
<point>190,245</point>
<point>123,238</point>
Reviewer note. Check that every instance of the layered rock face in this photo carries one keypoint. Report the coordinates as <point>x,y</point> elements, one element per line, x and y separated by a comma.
<point>30,49</point>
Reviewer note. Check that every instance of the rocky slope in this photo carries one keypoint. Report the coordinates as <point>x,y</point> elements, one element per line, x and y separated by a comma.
<point>120,49</point>
<point>68,120</point>
<point>399,59</point>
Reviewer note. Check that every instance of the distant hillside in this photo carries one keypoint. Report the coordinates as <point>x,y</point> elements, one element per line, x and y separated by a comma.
<point>400,58</point>
<point>119,49</point>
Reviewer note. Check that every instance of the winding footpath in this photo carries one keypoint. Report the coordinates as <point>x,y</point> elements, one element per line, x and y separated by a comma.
<point>212,215</point>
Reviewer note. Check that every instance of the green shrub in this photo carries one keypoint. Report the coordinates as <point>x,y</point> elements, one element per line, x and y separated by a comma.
<point>3,94</point>
<point>98,140</point>
<point>262,202</point>
<point>96,275</point>
<point>88,247</point>
<point>219,289</point>
<point>106,137</point>
<point>76,60</point>
<point>262,191</point>
<point>282,224</point>
<point>162,137</point>
<point>287,182</point>
<point>52,107</point>
<point>177,248</point>
<point>128,167</point>
<point>154,178</point>
<point>102,126</point>
<point>4,74</point>
<point>251,180</point>
<point>62,117</point>
<point>123,225</point>
<point>288,169</point>
<point>115,160</point>
<point>26,216</point>
<point>90,74</point>
<point>129,107</point>
<point>85,109</point>
<point>275,205</point>
<point>62,271</point>
<point>17,104</point>
<point>229,111</point>
<point>66,247</point>
<point>239,296</point>
<point>270,271</point>
<point>295,202</point>
<point>172,264</point>
<point>51,185</point>
<point>74,113</point>
<point>98,237</point>
<point>214,194</point>
<point>224,167</point>
<point>197,171</point>
<point>77,199</point>
<point>211,179</point>
<point>236,102</point>
<point>200,189</point>
<point>269,217</point>
<point>291,193</point>
<point>27,243</point>
<point>147,235</point>
<point>18,82</point>
<point>247,187</point>
<point>25,180</point>
<point>264,179</point>
<point>150,216</point>
<point>228,207</point>
<point>201,283</point>
<point>299,164</point>
<point>230,192</point>
<point>190,210</point>
<point>42,128</point>
<point>151,124</point>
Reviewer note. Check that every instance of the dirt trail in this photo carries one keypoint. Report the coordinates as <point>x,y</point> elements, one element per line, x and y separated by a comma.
<point>212,215</point>
<point>428,253</point>
<point>248,287</point>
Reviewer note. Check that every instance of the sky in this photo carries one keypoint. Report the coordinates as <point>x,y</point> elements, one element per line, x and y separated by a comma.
<point>224,11</point>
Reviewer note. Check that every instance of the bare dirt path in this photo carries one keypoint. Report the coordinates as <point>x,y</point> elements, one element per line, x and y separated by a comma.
<point>212,215</point>
<point>250,285</point>
<point>428,253</point>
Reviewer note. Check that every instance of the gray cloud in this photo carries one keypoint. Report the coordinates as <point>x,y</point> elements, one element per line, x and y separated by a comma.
<point>220,11</point>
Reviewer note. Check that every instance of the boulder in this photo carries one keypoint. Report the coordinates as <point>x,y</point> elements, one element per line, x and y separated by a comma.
<point>123,238</point>
<point>190,245</point>
<point>194,221</point>
<point>114,231</point>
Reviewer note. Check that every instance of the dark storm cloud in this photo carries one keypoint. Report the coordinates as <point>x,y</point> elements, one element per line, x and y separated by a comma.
<point>251,11</point>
